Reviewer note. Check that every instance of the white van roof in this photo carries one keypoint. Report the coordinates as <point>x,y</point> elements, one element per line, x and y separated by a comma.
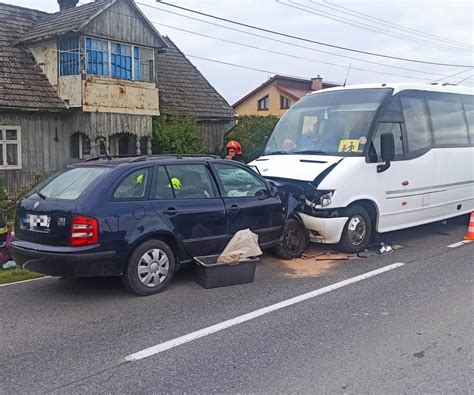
<point>397,87</point>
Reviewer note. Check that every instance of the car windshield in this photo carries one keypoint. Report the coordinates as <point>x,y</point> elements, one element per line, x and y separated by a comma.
<point>68,184</point>
<point>328,123</point>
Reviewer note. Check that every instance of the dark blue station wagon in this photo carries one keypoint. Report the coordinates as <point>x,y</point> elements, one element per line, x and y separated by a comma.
<point>142,218</point>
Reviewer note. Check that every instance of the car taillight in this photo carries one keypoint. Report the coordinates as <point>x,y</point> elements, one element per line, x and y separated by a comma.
<point>84,231</point>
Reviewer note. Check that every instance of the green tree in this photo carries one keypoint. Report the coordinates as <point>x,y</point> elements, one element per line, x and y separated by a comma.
<point>176,135</point>
<point>251,132</point>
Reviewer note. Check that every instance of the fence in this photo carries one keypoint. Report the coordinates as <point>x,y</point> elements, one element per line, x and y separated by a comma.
<point>14,184</point>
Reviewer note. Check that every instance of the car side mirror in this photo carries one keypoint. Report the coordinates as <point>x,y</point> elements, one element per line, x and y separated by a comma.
<point>273,191</point>
<point>387,149</point>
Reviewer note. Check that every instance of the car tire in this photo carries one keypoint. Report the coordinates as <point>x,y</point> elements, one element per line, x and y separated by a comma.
<point>357,231</point>
<point>295,240</point>
<point>150,268</point>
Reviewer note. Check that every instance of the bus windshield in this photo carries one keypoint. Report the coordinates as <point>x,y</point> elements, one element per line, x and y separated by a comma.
<point>328,123</point>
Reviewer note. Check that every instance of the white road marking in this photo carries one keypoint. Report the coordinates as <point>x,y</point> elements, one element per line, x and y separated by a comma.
<point>24,281</point>
<point>459,244</point>
<point>147,352</point>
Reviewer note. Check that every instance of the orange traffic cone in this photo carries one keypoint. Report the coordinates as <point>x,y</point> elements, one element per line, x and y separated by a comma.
<point>470,229</point>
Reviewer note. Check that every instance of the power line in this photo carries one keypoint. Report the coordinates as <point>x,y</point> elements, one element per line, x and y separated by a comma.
<point>291,43</point>
<point>279,53</point>
<point>465,79</point>
<point>334,17</point>
<point>452,75</point>
<point>244,67</point>
<point>380,21</point>
<point>306,39</point>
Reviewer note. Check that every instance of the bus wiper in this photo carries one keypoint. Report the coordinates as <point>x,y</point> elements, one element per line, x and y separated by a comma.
<point>39,194</point>
<point>277,153</point>
<point>310,151</point>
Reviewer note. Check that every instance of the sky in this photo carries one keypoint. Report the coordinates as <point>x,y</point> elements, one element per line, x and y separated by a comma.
<point>323,21</point>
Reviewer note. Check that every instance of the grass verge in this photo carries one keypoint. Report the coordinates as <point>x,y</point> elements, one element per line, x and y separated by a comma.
<point>13,275</point>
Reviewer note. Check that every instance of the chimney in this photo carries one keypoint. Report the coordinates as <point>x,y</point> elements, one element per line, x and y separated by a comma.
<point>317,83</point>
<point>67,4</point>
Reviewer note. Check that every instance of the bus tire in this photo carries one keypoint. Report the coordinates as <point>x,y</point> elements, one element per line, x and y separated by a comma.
<point>357,231</point>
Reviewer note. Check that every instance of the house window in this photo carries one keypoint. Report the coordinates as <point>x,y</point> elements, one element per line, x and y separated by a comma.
<point>80,146</point>
<point>97,52</point>
<point>143,64</point>
<point>264,103</point>
<point>284,103</point>
<point>118,60</point>
<point>10,147</point>
<point>69,58</point>
<point>121,61</point>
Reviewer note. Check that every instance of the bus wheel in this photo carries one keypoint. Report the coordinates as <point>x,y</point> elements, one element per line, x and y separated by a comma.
<point>357,231</point>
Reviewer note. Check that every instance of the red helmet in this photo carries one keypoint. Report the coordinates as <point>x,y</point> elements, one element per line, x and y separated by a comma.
<point>232,144</point>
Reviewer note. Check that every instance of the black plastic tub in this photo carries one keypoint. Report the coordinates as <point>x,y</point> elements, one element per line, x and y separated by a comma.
<point>213,275</point>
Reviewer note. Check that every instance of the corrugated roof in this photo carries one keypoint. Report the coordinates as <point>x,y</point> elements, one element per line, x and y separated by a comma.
<point>53,25</point>
<point>22,83</point>
<point>184,91</point>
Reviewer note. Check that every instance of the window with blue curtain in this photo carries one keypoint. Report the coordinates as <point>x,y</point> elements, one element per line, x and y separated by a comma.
<point>97,52</point>
<point>136,55</point>
<point>121,61</point>
<point>69,58</point>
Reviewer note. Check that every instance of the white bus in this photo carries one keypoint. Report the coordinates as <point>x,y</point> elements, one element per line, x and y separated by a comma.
<point>375,158</point>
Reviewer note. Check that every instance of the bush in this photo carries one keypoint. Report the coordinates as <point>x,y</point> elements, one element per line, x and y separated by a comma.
<point>176,135</point>
<point>10,198</point>
<point>251,132</point>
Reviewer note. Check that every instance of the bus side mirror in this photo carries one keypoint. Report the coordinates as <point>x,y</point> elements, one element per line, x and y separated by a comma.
<point>387,148</point>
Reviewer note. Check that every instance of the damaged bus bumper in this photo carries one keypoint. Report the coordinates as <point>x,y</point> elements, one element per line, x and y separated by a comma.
<point>324,230</point>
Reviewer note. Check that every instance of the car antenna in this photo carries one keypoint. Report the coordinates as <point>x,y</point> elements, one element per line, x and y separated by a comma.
<point>347,75</point>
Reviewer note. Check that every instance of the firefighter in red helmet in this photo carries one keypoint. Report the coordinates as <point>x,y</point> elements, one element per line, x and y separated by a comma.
<point>234,151</point>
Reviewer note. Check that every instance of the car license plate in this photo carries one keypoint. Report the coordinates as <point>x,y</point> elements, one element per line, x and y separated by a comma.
<point>38,222</point>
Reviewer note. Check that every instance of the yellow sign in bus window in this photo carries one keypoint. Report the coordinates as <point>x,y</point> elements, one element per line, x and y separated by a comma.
<point>349,146</point>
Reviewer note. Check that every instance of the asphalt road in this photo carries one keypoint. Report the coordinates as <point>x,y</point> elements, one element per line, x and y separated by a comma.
<point>410,329</point>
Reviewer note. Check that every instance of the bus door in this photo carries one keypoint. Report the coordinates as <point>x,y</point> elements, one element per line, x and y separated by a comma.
<point>406,191</point>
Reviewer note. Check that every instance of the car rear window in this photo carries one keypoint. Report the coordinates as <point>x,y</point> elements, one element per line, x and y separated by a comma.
<point>68,184</point>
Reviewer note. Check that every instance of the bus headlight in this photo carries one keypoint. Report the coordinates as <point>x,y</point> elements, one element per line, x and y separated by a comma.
<point>320,199</point>
<point>326,199</point>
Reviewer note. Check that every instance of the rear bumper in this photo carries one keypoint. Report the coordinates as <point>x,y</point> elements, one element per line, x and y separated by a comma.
<point>65,261</point>
<point>324,230</point>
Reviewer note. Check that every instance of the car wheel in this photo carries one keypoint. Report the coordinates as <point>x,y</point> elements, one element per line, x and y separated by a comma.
<point>357,231</point>
<point>150,268</point>
<point>295,240</point>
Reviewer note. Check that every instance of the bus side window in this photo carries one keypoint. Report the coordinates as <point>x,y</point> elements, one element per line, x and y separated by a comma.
<point>468,102</point>
<point>387,127</point>
<point>447,118</point>
<point>416,122</point>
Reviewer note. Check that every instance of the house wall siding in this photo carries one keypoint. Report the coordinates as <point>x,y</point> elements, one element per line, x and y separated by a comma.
<point>101,94</point>
<point>212,134</point>
<point>121,22</point>
<point>70,89</point>
<point>40,150</point>
<point>46,56</point>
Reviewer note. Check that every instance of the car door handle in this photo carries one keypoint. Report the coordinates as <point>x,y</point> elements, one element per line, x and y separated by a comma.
<point>234,209</point>
<point>170,211</point>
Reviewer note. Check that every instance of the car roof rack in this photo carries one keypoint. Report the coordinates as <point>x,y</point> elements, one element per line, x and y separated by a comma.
<point>141,158</point>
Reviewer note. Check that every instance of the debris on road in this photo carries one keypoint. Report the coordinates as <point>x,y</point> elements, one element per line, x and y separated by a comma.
<point>9,265</point>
